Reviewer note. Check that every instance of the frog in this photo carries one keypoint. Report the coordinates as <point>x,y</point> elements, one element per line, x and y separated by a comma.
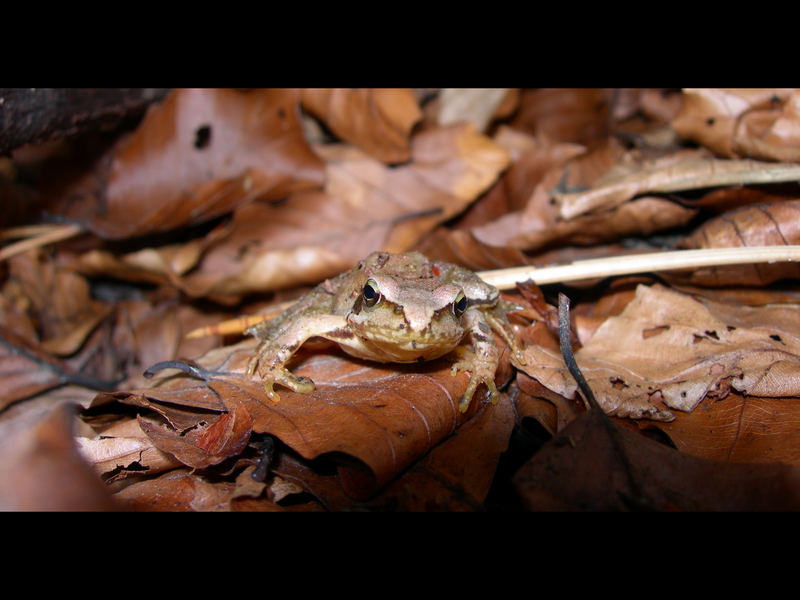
<point>392,308</point>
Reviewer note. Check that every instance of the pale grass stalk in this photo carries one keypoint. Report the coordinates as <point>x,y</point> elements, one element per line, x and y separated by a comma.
<point>24,231</point>
<point>41,236</point>
<point>595,268</point>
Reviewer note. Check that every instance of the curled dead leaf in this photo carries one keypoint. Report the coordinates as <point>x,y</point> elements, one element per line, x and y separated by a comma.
<point>670,350</point>
<point>528,219</point>
<point>123,450</point>
<point>685,170</point>
<point>565,115</point>
<point>771,224</point>
<point>472,105</point>
<point>743,123</point>
<point>377,120</point>
<point>214,439</point>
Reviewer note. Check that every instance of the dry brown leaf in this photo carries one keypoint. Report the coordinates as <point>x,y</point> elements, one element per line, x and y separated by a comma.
<point>41,469</point>
<point>123,450</point>
<point>531,159</point>
<point>456,474</point>
<point>314,235</point>
<point>544,363</point>
<point>773,224</point>
<point>57,299</point>
<point>163,265</point>
<point>685,170</point>
<point>148,332</point>
<point>385,416</point>
<point>177,491</point>
<point>539,224</point>
<point>668,348</point>
<point>470,105</point>
<point>378,120</point>
<point>739,428</point>
<point>198,155</point>
<point>215,438</point>
<point>553,411</point>
<point>26,370</point>
<point>596,466</point>
<point>565,115</point>
<point>518,211</point>
<point>749,123</point>
<point>182,490</point>
<point>460,247</point>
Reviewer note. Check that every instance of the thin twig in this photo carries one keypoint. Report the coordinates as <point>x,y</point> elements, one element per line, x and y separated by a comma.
<point>594,268</point>
<point>566,352</point>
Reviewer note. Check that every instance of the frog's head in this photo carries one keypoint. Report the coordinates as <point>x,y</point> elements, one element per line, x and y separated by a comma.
<point>406,313</point>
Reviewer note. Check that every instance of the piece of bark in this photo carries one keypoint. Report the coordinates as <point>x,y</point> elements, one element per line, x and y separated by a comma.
<point>33,115</point>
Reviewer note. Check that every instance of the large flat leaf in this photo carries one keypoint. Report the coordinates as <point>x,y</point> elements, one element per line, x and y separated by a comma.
<point>384,416</point>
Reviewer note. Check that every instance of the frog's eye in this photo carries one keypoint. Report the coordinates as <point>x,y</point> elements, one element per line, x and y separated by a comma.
<point>460,304</point>
<point>371,293</point>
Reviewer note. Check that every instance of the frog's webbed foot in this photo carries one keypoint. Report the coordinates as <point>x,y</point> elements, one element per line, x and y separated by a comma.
<point>481,371</point>
<point>269,365</point>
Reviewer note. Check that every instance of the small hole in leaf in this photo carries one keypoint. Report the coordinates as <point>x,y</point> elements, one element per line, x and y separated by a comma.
<point>617,383</point>
<point>202,137</point>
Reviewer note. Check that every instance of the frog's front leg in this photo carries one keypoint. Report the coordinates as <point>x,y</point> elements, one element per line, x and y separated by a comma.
<point>278,344</point>
<point>480,361</point>
<point>498,321</point>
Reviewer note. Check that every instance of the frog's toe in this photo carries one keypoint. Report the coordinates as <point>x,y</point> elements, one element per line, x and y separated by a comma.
<point>271,393</point>
<point>464,403</point>
<point>252,365</point>
<point>520,356</point>
<point>277,375</point>
<point>466,399</point>
<point>301,385</point>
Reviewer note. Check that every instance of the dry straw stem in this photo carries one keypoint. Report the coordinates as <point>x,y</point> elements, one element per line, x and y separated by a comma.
<point>594,268</point>
<point>36,236</point>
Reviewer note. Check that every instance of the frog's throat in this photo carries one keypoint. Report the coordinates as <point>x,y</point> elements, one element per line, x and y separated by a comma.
<point>389,349</point>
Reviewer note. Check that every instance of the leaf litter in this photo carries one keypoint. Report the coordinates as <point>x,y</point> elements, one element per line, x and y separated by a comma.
<point>221,202</point>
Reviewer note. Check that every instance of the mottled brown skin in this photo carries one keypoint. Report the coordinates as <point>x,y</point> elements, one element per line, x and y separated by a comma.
<point>391,308</point>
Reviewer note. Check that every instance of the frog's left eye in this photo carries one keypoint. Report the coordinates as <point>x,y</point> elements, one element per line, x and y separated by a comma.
<point>371,293</point>
<point>460,304</point>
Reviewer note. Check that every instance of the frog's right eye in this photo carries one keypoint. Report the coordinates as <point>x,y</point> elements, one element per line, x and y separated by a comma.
<point>459,304</point>
<point>371,293</point>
